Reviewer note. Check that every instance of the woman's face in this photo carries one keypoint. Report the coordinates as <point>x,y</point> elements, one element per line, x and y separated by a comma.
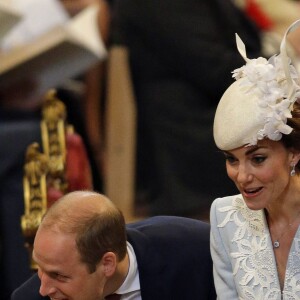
<point>261,173</point>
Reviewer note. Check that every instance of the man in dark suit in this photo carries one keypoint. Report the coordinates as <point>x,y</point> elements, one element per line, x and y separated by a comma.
<point>181,53</point>
<point>83,253</point>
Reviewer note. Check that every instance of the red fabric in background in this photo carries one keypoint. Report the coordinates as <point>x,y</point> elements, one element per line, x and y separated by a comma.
<point>262,20</point>
<point>78,171</point>
<point>53,195</point>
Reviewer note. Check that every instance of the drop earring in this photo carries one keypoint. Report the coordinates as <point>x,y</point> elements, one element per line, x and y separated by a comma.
<point>293,171</point>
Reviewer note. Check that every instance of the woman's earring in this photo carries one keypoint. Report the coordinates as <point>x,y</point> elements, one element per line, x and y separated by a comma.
<point>293,171</point>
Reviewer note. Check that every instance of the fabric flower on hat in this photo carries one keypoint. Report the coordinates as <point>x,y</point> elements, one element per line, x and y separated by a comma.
<point>266,79</point>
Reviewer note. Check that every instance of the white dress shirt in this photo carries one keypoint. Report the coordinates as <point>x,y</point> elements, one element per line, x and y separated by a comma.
<point>130,289</point>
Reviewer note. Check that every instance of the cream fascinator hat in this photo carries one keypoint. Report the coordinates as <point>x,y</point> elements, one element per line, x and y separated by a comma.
<point>258,104</point>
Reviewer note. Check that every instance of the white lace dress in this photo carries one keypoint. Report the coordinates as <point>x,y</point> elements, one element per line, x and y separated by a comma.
<point>243,257</point>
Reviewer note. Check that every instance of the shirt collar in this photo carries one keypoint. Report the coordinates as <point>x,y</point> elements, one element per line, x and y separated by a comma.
<point>132,280</point>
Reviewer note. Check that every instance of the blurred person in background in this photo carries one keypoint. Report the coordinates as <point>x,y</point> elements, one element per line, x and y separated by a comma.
<point>273,20</point>
<point>180,53</point>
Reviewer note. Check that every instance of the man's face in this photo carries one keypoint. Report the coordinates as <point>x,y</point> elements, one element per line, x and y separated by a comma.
<point>63,276</point>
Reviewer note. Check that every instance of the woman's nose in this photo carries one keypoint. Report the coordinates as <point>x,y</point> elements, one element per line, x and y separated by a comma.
<point>244,174</point>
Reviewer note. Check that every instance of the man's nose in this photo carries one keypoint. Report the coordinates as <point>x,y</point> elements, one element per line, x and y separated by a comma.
<point>47,285</point>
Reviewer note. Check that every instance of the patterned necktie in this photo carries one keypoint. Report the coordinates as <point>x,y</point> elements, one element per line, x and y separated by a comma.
<point>113,297</point>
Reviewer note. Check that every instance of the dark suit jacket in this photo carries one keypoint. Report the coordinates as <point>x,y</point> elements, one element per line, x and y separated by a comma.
<point>173,260</point>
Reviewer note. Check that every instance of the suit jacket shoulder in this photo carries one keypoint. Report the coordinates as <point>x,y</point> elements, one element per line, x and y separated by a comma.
<point>173,252</point>
<point>29,290</point>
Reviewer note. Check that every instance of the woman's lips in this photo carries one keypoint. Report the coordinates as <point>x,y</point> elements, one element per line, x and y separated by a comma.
<point>252,192</point>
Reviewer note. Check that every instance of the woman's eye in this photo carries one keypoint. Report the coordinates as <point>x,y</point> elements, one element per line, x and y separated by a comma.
<point>258,159</point>
<point>230,159</point>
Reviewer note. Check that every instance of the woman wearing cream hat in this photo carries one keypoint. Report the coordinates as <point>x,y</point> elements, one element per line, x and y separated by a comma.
<point>255,235</point>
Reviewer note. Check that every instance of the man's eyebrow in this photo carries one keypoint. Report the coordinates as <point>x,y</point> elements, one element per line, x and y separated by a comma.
<point>54,273</point>
<point>51,273</point>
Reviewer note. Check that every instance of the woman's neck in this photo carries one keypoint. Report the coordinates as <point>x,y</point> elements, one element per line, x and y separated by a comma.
<point>287,207</point>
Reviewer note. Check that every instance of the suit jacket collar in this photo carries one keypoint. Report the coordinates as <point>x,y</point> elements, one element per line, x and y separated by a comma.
<point>150,265</point>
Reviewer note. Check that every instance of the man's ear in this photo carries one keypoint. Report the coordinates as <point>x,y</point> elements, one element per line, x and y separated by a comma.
<point>109,263</point>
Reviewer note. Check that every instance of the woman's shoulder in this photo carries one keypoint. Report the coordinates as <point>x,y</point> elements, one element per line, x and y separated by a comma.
<point>233,211</point>
<point>227,200</point>
<point>224,206</point>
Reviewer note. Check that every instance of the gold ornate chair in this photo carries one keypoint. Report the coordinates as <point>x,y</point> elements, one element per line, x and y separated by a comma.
<point>61,167</point>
